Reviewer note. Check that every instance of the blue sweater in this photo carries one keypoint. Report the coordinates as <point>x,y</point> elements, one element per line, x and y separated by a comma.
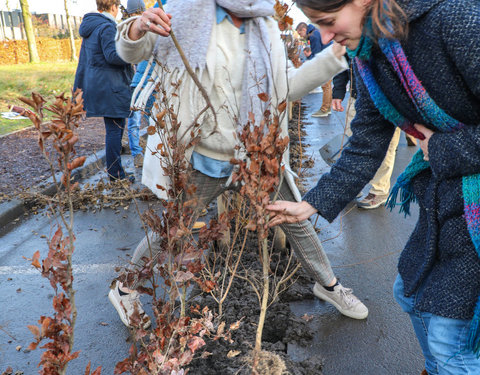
<point>140,71</point>
<point>102,75</point>
<point>439,261</point>
<point>315,40</point>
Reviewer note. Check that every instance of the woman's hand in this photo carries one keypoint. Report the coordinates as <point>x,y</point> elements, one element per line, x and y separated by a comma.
<point>154,20</point>
<point>337,105</point>
<point>289,212</point>
<point>424,142</point>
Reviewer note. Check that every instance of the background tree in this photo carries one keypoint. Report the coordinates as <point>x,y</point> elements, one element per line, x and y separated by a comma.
<point>27,23</point>
<point>73,50</point>
<point>7,5</point>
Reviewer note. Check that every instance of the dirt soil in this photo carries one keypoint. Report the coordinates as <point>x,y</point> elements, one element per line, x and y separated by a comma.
<point>281,328</point>
<point>23,165</point>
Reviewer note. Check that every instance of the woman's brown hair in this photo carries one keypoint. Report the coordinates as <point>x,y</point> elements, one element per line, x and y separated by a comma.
<point>105,5</point>
<point>380,11</point>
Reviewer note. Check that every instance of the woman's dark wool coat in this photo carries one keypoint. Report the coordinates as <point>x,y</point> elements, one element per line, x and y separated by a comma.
<point>439,261</point>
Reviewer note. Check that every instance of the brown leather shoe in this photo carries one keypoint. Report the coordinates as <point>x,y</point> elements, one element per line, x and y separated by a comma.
<point>424,372</point>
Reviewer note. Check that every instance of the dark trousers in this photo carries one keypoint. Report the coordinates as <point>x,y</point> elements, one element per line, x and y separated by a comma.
<point>114,128</point>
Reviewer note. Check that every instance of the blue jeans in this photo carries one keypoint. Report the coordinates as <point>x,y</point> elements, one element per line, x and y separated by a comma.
<point>114,128</point>
<point>442,339</point>
<point>133,128</point>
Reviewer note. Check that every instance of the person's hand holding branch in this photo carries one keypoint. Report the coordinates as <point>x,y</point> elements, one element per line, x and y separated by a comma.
<point>154,20</point>
<point>337,105</point>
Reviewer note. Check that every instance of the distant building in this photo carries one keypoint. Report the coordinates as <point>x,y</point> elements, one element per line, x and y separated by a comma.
<point>46,24</point>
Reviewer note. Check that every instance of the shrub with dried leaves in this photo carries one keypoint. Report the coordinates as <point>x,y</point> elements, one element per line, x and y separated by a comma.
<point>260,174</point>
<point>180,328</point>
<point>57,266</point>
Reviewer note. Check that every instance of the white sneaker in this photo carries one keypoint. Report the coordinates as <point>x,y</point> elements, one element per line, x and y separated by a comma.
<point>125,306</point>
<point>372,201</point>
<point>343,299</point>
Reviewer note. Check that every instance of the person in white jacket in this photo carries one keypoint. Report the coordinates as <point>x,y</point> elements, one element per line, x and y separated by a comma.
<point>235,48</point>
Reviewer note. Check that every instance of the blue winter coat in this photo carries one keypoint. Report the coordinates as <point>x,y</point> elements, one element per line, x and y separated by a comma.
<point>439,261</point>
<point>315,39</point>
<point>102,75</point>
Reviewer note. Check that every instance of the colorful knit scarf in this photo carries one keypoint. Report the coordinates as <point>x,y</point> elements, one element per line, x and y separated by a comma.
<point>433,115</point>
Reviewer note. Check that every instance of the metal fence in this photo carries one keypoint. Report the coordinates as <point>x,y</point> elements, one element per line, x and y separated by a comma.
<point>11,24</point>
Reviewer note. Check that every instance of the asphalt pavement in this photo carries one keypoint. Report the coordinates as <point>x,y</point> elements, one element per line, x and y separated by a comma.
<point>363,246</point>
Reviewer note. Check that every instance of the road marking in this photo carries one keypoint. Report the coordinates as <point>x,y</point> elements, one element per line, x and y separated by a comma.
<point>77,269</point>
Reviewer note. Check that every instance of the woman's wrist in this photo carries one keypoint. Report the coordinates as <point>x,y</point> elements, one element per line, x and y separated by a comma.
<point>308,208</point>
<point>135,32</point>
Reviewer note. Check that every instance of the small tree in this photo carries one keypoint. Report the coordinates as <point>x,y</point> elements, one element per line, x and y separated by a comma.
<point>27,23</point>
<point>182,327</point>
<point>58,329</point>
<point>261,174</point>
<point>73,50</point>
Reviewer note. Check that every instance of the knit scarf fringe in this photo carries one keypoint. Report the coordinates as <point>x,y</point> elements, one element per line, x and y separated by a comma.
<point>403,186</point>
<point>433,115</point>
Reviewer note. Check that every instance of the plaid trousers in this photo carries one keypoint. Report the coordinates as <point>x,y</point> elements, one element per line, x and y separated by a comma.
<point>301,236</point>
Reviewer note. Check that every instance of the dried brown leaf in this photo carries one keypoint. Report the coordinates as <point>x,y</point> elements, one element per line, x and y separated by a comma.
<point>233,353</point>
<point>282,106</point>
<point>35,331</point>
<point>263,97</point>
<point>151,130</point>
<point>235,326</point>
<point>35,260</point>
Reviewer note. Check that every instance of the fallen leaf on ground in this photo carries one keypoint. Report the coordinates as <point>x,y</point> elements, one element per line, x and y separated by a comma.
<point>307,317</point>
<point>233,353</point>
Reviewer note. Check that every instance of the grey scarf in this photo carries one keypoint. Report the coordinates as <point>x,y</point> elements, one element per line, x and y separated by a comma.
<point>192,22</point>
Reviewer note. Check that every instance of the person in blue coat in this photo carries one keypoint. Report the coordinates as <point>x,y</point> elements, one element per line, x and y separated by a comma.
<point>105,80</point>
<point>311,34</point>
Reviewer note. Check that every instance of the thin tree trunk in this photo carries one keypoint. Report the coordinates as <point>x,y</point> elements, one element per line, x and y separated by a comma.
<point>264,304</point>
<point>27,23</point>
<point>73,50</point>
<point>2,20</point>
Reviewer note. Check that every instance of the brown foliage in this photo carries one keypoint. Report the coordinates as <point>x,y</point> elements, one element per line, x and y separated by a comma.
<point>285,25</point>
<point>284,21</point>
<point>49,49</point>
<point>260,171</point>
<point>178,336</point>
<point>57,266</point>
